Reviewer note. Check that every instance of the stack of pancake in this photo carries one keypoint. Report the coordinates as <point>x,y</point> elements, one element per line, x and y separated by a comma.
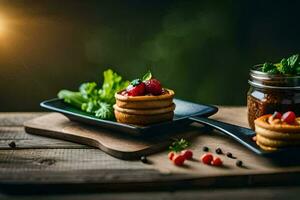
<point>144,110</point>
<point>272,134</point>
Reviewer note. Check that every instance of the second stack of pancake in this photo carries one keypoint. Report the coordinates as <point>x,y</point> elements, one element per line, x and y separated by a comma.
<point>276,135</point>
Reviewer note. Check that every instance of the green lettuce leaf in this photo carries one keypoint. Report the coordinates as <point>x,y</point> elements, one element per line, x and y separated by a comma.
<point>98,102</point>
<point>112,83</point>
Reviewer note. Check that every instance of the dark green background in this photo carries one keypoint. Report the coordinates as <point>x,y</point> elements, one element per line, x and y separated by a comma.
<point>201,49</point>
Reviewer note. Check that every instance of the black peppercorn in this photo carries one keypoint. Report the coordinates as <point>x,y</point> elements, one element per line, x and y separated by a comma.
<point>12,144</point>
<point>239,163</point>
<point>219,151</point>
<point>205,149</point>
<point>144,159</point>
<point>229,155</point>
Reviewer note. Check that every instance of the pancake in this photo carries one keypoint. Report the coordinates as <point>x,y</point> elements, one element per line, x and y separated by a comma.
<point>281,127</point>
<point>266,148</point>
<point>144,102</point>
<point>276,143</point>
<point>142,119</point>
<point>147,111</point>
<point>144,110</point>
<point>273,134</point>
<point>276,135</point>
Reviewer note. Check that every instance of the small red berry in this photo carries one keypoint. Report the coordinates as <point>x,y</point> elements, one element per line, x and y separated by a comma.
<point>138,90</point>
<point>207,158</point>
<point>288,117</point>
<point>171,155</point>
<point>277,115</point>
<point>178,160</point>
<point>153,86</point>
<point>188,154</point>
<point>216,162</point>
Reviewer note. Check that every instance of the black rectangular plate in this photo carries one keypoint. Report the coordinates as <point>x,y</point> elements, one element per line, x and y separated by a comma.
<point>183,111</point>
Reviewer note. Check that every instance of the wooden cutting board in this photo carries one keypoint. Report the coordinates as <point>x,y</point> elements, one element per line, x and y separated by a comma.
<point>119,145</point>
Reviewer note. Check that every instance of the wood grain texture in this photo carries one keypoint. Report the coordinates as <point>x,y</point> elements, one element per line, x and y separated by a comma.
<point>92,170</point>
<point>233,115</point>
<point>16,118</point>
<point>260,193</point>
<point>86,170</point>
<point>118,144</point>
<point>24,140</point>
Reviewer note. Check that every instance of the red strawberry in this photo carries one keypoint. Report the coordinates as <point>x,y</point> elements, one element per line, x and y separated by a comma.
<point>277,115</point>
<point>171,155</point>
<point>288,117</point>
<point>137,90</point>
<point>153,86</point>
<point>207,158</point>
<point>216,162</point>
<point>188,154</point>
<point>178,160</point>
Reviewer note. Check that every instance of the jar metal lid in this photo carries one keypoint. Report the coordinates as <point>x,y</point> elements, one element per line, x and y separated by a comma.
<point>273,81</point>
<point>259,85</point>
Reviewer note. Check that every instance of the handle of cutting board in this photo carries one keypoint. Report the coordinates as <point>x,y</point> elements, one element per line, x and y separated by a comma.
<point>238,133</point>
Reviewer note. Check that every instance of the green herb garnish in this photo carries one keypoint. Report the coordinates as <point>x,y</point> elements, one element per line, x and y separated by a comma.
<point>94,100</point>
<point>147,76</point>
<point>135,82</point>
<point>179,145</point>
<point>289,66</point>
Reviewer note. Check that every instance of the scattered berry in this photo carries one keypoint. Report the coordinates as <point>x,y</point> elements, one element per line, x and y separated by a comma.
<point>219,151</point>
<point>207,158</point>
<point>188,154</point>
<point>288,117</point>
<point>144,159</point>
<point>153,86</point>
<point>137,90</point>
<point>239,163</point>
<point>216,162</point>
<point>178,160</point>
<point>171,155</point>
<point>12,144</point>
<point>205,149</point>
<point>277,115</point>
<point>254,138</point>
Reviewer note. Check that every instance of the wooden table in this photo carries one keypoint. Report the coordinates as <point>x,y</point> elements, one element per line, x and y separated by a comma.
<point>40,165</point>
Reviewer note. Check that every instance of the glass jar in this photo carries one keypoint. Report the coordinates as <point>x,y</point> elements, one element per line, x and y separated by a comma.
<point>269,93</point>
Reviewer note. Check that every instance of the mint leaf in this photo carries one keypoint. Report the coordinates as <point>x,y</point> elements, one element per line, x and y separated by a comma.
<point>292,61</point>
<point>289,66</point>
<point>147,76</point>
<point>268,67</point>
<point>284,67</point>
<point>135,82</point>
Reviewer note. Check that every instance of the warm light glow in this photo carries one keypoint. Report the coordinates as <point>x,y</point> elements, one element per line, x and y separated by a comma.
<point>2,26</point>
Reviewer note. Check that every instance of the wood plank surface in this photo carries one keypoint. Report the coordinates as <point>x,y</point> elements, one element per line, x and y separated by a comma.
<point>264,193</point>
<point>24,140</point>
<point>17,118</point>
<point>42,161</point>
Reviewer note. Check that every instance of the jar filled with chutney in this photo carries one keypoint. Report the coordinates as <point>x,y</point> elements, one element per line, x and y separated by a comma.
<point>272,91</point>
